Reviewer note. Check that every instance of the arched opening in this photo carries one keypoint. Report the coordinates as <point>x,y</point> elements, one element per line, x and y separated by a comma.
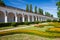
<point>19,18</point>
<point>34,18</point>
<point>25,18</point>
<point>30,18</point>
<point>11,17</point>
<point>37,18</point>
<point>2,17</point>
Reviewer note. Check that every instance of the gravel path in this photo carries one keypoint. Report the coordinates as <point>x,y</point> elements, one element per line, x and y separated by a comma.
<point>16,28</point>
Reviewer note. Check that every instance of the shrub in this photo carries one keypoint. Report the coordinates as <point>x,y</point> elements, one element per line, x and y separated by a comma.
<point>5,24</point>
<point>55,21</point>
<point>16,24</point>
<point>13,24</point>
<point>26,23</point>
<point>48,20</point>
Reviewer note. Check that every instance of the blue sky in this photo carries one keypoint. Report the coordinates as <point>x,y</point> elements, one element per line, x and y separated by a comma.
<point>46,5</point>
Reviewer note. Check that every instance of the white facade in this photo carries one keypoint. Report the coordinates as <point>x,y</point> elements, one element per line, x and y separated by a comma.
<point>8,14</point>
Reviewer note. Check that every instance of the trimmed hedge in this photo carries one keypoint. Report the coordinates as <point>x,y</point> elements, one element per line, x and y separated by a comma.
<point>16,24</point>
<point>5,24</point>
<point>35,32</point>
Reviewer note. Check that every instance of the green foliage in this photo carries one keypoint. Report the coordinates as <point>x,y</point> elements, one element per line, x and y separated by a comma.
<point>48,20</point>
<point>40,11</point>
<point>13,24</point>
<point>58,13</point>
<point>27,7</point>
<point>35,9</point>
<point>5,24</point>
<point>26,23</point>
<point>16,24</point>
<point>55,21</point>
<point>58,8</point>
<point>33,32</point>
<point>31,8</point>
<point>47,14</point>
<point>59,20</point>
<point>58,5</point>
<point>2,3</point>
<point>52,31</point>
<point>51,15</point>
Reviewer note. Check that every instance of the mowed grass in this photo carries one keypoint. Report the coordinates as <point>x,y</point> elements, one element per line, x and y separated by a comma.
<point>25,37</point>
<point>38,28</point>
<point>3,28</point>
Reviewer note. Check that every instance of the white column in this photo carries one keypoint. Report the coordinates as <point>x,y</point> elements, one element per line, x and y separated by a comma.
<point>36,18</point>
<point>15,17</point>
<point>5,17</point>
<point>28,18</point>
<point>23,18</point>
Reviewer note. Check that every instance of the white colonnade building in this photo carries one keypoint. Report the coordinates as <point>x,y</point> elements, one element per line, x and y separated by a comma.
<point>11,14</point>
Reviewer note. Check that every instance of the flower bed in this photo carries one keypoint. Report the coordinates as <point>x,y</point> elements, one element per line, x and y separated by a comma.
<point>36,32</point>
<point>41,25</point>
<point>54,30</point>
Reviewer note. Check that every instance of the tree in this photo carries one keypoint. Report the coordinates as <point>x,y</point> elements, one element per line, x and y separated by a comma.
<point>51,15</point>
<point>40,11</point>
<point>58,8</point>
<point>35,9</point>
<point>27,7</point>
<point>58,5</point>
<point>30,7</point>
<point>2,3</point>
<point>47,14</point>
<point>58,13</point>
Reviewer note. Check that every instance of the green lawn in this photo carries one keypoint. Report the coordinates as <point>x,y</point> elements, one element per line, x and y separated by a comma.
<point>38,28</point>
<point>25,37</point>
<point>36,31</point>
<point>9,27</point>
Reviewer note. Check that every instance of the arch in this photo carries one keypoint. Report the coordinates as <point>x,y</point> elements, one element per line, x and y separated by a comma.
<point>30,18</point>
<point>37,18</point>
<point>25,18</point>
<point>10,17</point>
<point>2,16</point>
<point>34,18</point>
<point>19,18</point>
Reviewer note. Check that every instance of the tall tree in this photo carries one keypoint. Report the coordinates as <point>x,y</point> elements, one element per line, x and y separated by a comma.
<point>2,3</point>
<point>51,15</point>
<point>27,7</point>
<point>58,5</point>
<point>40,11</point>
<point>35,9</point>
<point>31,8</point>
<point>58,8</point>
<point>47,14</point>
<point>58,13</point>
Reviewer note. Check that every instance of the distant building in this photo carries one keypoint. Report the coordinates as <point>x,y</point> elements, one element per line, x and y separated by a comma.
<point>11,14</point>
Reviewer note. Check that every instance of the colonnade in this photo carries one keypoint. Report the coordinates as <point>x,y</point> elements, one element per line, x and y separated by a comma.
<point>14,17</point>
